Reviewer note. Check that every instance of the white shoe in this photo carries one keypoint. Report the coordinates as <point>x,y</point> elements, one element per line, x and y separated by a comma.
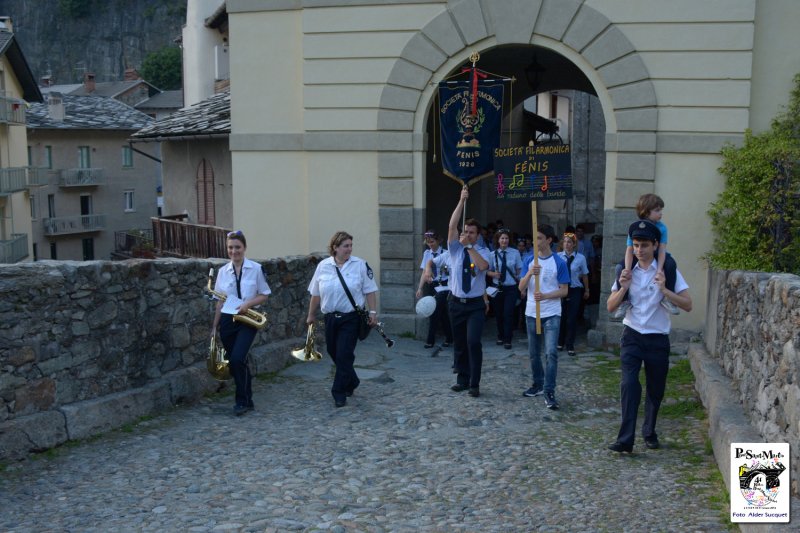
<point>622,309</point>
<point>671,307</point>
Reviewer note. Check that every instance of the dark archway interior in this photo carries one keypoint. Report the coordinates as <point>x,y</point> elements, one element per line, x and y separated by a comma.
<point>551,72</point>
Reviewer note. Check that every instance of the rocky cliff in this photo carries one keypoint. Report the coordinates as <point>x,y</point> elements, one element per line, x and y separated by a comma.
<point>66,38</point>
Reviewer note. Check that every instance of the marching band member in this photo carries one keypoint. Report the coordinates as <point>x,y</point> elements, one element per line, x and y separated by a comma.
<point>342,321</point>
<point>245,286</point>
<point>438,287</point>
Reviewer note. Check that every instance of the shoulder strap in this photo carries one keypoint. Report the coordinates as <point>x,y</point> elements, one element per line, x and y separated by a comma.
<point>346,290</point>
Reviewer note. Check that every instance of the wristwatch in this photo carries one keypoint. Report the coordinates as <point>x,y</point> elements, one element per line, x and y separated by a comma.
<point>468,247</point>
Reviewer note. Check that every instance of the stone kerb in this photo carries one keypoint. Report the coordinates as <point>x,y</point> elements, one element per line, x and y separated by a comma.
<point>89,346</point>
<point>758,346</point>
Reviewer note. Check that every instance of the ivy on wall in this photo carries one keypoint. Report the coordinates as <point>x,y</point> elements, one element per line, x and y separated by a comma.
<point>756,219</point>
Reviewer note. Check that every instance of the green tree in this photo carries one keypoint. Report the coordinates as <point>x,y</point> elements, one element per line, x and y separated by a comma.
<point>756,219</point>
<point>75,8</point>
<point>164,68</point>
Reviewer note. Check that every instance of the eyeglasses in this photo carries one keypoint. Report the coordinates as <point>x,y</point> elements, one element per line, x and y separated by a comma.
<point>233,233</point>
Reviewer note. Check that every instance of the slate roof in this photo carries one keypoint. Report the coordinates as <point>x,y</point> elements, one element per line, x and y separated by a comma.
<point>10,48</point>
<point>209,117</point>
<point>111,88</point>
<point>88,113</point>
<point>163,100</point>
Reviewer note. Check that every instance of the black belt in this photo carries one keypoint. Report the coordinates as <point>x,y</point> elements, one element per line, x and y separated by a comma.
<point>338,314</point>
<point>439,283</point>
<point>464,300</point>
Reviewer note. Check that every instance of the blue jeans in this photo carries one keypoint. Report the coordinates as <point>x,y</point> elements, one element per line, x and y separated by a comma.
<point>549,335</point>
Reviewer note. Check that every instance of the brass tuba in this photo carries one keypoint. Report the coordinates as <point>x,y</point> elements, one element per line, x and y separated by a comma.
<point>217,362</point>
<point>308,352</point>
<point>252,318</point>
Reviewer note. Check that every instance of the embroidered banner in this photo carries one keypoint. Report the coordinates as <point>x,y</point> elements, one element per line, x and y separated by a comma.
<point>470,128</point>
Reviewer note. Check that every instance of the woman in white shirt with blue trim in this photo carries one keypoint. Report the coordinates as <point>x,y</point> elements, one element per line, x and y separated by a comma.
<point>241,280</point>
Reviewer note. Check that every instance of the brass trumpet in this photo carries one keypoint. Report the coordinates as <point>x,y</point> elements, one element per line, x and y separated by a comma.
<point>252,318</point>
<point>308,352</point>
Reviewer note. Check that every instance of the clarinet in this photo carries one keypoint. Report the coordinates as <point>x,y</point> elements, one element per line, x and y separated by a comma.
<point>379,328</point>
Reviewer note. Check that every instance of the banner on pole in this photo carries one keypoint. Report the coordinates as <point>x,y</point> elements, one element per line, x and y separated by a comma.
<point>532,173</point>
<point>470,127</point>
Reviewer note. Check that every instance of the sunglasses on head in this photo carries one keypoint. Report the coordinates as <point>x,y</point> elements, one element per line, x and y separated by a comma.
<point>570,235</point>
<point>234,233</point>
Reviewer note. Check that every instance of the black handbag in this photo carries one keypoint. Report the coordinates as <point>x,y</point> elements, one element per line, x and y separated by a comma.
<point>363,324</point>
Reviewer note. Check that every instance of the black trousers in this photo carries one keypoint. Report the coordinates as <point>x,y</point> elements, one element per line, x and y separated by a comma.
<point>570,309</point>
<point>341,336</point>
<point>652,350</point>
<point>440,315</point>
<point>237,338</point>
<point>504,303</point>
<point>467,320</point>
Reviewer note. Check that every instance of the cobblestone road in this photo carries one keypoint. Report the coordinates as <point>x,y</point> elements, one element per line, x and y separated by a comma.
<point>405,454</point>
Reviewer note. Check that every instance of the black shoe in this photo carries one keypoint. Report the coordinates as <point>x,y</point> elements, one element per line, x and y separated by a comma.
<point>239,410</point>
<point>348,393</point>
<point>340,403</point>
<point>652,443</point>
<point>428,345</point>
<point>446,344</point>
<point>560,347</point>
<point>474,392</point>
<point>499,342</point>
<point>507,346</point>
<point>619,447</point>
<point>533,391</point>
<point>458,387</point>
<point>550,401</point>
<point>571,353</point>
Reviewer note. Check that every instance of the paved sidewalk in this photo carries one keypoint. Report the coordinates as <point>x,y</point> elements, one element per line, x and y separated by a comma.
<point>405,454</point>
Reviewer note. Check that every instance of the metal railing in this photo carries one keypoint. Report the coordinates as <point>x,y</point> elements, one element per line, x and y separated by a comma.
<point>74,224</point>
<point>13,179</point>
<point>81,177</point>
<point>130,241</point>
<point>38,176</point>
<point>172,236</point>
<point>12,110</point>
<point>15,249</point>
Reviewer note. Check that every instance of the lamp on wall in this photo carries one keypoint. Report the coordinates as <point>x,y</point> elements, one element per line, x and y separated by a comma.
<point>533,73</point>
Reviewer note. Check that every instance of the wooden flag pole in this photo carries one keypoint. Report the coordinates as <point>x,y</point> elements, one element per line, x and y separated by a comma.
<point>536,262</point>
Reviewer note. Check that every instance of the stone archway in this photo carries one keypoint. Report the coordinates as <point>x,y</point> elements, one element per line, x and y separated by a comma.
<point>570,27</point>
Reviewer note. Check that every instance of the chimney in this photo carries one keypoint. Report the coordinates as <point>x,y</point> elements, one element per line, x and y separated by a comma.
<point>5,24</point>
<point>131,74</point>
<point>55,107</point>
<point>46,81</point>
<point>88,82</point>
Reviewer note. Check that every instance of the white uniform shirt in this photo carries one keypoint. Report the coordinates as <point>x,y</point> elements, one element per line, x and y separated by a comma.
<point>554,273</point>
<point>441,274</point>
<point>251,283</point>
<point>647,315</point>
<point>578,268</point>
<point>513,265</point>
<point>325,284</point>
<point>456,262</point>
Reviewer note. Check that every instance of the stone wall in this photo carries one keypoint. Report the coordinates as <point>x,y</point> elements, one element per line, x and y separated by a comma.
<point>86,347</point>
<point>753,329</point>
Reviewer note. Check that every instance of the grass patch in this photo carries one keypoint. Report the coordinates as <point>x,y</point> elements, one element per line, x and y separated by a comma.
<point>407,335</point>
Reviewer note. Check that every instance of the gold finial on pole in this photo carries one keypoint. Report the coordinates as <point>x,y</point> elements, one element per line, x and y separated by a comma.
<point>474,57</point>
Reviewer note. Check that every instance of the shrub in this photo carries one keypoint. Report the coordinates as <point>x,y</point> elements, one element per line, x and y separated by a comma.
<point>755,219</point>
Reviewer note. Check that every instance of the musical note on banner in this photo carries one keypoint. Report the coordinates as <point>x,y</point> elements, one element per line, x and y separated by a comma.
<point>501,188</point>
<point>544,187</point>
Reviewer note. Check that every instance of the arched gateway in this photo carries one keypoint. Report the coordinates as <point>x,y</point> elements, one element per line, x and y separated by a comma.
<point>584,38</point>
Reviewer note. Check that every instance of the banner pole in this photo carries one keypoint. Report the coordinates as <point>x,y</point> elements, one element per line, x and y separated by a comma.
<point>536,262</point>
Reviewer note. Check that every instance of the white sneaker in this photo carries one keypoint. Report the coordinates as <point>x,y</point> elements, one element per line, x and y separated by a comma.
<point>622,309</point>
<point>671,307</point>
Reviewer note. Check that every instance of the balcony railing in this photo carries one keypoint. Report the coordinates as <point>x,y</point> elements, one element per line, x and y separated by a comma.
<point>134,243</point>
<point>12,110</point>
<point>15,249</point>
<point>74,224</point>
<point>81,177</point>
<point>172,236</point>
<point>38,177</point>
<point>13,179</point>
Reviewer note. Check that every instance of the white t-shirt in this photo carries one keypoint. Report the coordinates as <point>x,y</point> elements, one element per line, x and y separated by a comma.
<point>554,273</point>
